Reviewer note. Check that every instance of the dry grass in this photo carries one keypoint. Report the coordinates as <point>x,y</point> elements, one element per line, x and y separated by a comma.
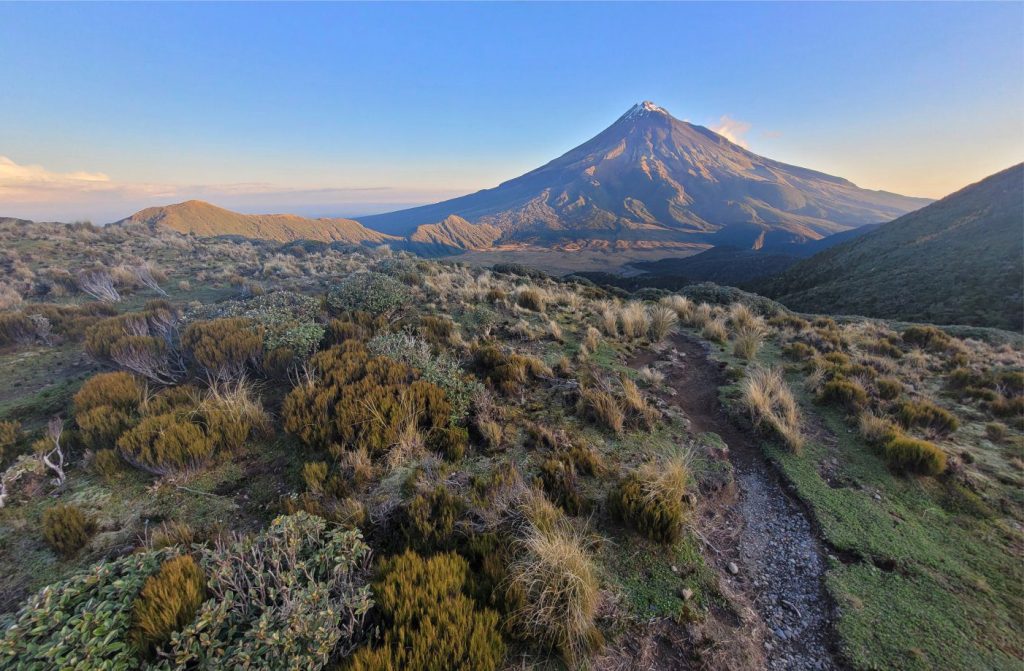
<point>874,429</point>
<point>715,331</point>
<point>770,403</point>
<point>663,322</point>
<point>701,315</point>
<point>681,305</point>
<point>634,320</point>
<point>747,341</point>
<point>592,339</point>
<point>652,377</point>
<point>603,408</point>
<point>557,581</point>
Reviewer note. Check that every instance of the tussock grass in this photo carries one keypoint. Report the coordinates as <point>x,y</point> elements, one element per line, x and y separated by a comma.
<point>715,331</point>
<point>555,577</point>
<point>765,394</point>
<point>663,322</point>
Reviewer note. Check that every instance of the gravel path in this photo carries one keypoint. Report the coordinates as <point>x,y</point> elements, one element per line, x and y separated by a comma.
<point>776,559</point>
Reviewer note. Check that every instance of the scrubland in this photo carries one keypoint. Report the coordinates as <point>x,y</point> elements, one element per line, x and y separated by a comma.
<point>317,456</point>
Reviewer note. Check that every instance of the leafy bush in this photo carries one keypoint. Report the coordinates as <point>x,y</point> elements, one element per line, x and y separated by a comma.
<point>926,415</point>
<point>164,444</point>
<point>167,602</point>
<point>66,529</point>
<point>439,369</point>
<point>362,402</point>
<point>375,293</point>
<point>554,580</point>
<point>287,598</point>
<point>650,499</point>
<point>918,456</point>
<point>290,322</point>
<point>82,623</point>
<point>845,392</point>
<point>430,623</point>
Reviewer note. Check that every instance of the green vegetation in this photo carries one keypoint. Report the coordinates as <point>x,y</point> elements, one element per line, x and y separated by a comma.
<point>313,457</point>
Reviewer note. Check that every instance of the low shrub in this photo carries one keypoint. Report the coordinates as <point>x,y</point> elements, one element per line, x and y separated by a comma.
<point>875,430</point>
<point>555,581</point>
<point>291,597</point>
<point>450,441</point>
<point>224,349</point>
<point>798,351</point>
<point>926,415</point>
<point>560,482</point>
<point>917,456</point>
<point>81,623</point>
<point>164,444</point>
<point>167,602</point>
<point>651,499</point>
<point>428,522</point>
<point>889,388</point>
<point>927,337</point>
<point>429,621</point>
<point>375,293</point>
<point>844,392</point>
<point>9,432</point>
<point>362,402</point>
<point>996,431</point>
<point>106,464</point>
<point>67,529</point>
<point>105,407</point>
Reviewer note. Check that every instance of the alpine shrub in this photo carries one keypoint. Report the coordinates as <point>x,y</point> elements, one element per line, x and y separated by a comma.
<point>66,529</point>
<point>430,622</point>
<point>375,293</point>
<point>917,456</point>
<point>167,602</point>
<point>926,415</point>
<point>166,444</point>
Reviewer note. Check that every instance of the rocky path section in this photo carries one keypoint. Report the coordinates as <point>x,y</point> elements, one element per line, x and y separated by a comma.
<point>774,556</point>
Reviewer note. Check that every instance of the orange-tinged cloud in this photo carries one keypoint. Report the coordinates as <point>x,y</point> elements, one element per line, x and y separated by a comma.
<point>733,130</point>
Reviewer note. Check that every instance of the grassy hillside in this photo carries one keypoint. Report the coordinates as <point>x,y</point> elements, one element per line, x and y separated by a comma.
<point>204,219</point>
<point>389,462</point>
<point>957,261</point>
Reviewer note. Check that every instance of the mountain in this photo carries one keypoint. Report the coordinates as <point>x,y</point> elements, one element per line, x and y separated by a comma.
<point>204,219</point>
<point>651,178</point>
<point>452,234</point>
<point>957,261</point>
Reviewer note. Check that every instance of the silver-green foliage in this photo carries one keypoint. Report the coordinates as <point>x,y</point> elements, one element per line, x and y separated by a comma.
<point>438,369</point>
<point>287,598</point>
<point>375,293</point>
<point>82,623</point>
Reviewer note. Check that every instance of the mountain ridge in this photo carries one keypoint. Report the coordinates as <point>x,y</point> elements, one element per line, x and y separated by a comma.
<point>959,260</point>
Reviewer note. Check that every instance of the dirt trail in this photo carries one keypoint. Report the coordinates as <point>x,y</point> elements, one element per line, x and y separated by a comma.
<point>780,561</point>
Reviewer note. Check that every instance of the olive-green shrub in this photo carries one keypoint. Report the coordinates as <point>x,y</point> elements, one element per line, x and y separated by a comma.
<point>916,456</point>
<point>67,529</point>
<point>167,602</point>
<point>362,402</point>
<point>165,444</point>
<point>430,622</point>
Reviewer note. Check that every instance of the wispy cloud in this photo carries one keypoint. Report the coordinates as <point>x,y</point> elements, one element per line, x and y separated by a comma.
<point>34,192</point>
<point>733,130</point>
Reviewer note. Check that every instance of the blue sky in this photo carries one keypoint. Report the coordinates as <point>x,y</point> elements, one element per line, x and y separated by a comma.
<point>354,108</point>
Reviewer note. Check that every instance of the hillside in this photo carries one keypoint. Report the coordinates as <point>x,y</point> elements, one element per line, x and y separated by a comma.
<point>957,261</point>
<point>204,219</point>
<point>452,234</point>
<point>652,178</point>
